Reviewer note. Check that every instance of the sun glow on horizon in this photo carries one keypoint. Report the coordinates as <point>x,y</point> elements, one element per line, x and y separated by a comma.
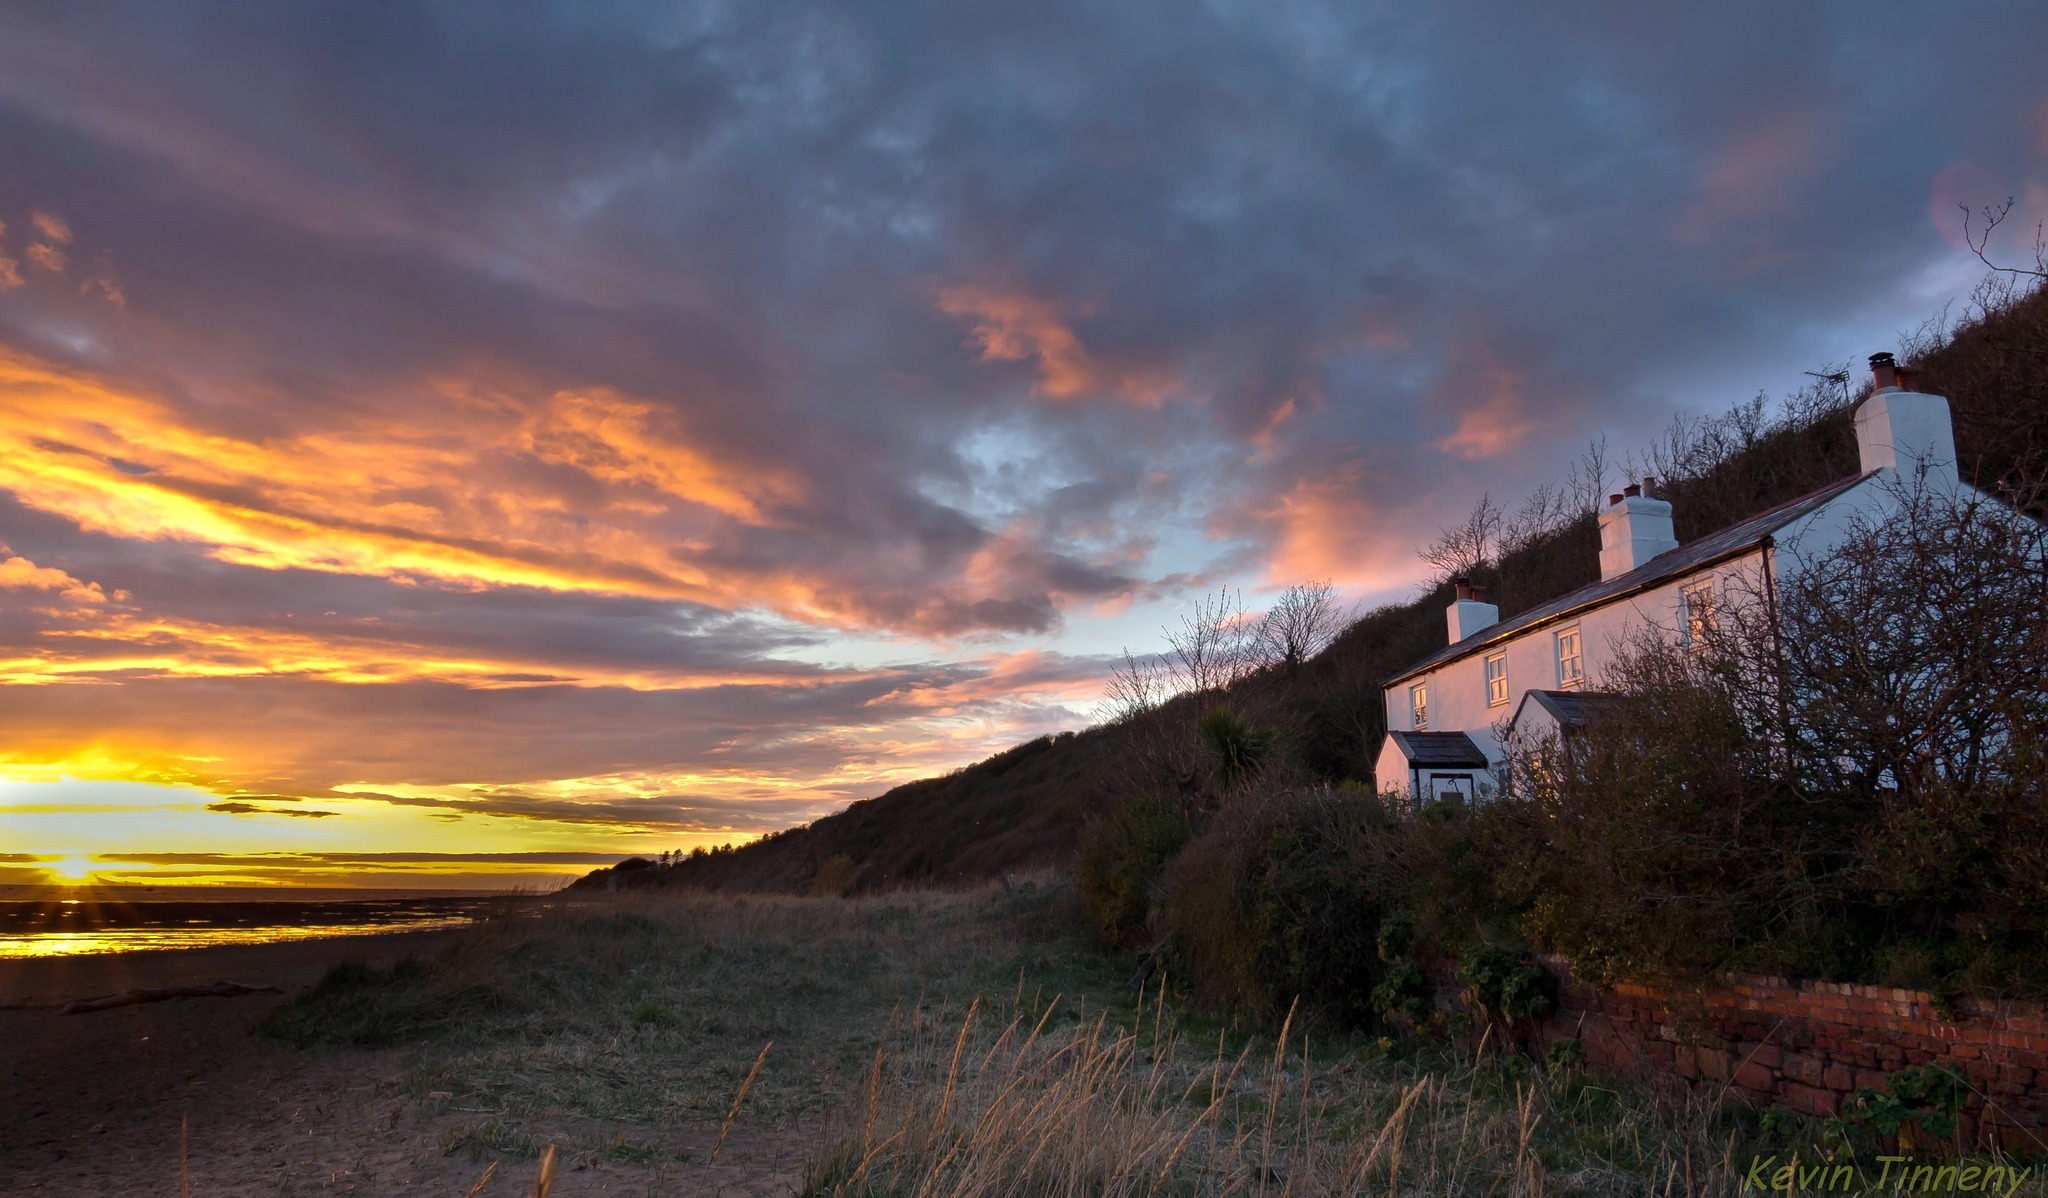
<point>70,869</point>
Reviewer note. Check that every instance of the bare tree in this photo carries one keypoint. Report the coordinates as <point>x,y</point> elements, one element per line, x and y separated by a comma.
<point>1463,548</point>
<point>1979,240</point>
<point>1867,734</point>
<point>1136,687</point>
<point>1214,645</point>
<point>1547,509</point>
<point>1301,624</point>
<point>1586,482</point>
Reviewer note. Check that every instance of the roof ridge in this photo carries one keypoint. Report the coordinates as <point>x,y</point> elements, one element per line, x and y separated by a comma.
<point>1698,553</point>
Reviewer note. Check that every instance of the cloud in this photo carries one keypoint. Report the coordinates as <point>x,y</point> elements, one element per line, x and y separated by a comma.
<point>671,419</point>
<point>1014,326</point>
<point>19,573</point>
<point>236,807</point>
<point>51,227</point>
<point>1759,172</point>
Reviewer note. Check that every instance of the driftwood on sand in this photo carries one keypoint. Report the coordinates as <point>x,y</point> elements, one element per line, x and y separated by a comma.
<point>129,998</point>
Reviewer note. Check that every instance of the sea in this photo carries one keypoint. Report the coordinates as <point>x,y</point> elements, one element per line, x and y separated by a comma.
<point>41,921</point>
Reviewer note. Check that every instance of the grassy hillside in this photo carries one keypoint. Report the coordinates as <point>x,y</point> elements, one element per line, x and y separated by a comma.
<point>1026,806</point>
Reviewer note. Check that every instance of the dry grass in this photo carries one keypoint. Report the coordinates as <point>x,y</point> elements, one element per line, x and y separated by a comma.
<point>1016,1101</point>
<point>945,1045</point>
<point>647,1013</point>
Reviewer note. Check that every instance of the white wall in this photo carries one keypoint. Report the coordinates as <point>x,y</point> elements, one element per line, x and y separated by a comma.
<point>1457,690</point>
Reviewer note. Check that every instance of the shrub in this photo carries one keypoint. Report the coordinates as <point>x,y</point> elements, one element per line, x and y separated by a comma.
<point>1564,1056</point>
<point>1122,855</point>
<point>1403,994</point>
<point>836,878</point>
<point>1927,1097</point>
<point>1281,899</point>
<point>1506,984</point>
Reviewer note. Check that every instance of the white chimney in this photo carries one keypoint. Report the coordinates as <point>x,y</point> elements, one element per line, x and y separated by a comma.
<point>1903,429</point>
<point>1469,612</point>
<point>1633,529</point>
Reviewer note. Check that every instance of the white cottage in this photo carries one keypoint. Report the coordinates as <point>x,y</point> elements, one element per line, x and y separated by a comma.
<point>1543,668</point>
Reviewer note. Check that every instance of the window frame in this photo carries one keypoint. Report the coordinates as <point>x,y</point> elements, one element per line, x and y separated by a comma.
<point>1496,695</point>
<point>1418,707</point>
<point>1577,657</point>
<point>1696,610</point>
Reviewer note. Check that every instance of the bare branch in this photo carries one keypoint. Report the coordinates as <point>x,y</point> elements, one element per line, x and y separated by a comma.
<point>1214,645</point>
<point>1301,624</point>
<point>1465,547</point>
<point>1979,240</point>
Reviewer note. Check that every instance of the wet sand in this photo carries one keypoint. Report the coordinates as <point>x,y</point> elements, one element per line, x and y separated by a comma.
<point>91,1105</point>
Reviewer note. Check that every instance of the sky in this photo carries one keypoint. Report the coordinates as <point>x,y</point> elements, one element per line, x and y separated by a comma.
<point>460,443</point>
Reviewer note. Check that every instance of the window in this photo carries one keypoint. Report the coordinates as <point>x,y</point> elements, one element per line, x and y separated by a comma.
<point>1696,609</point>
<point>1496,679</point>
<point>1418,706</point>
<point>1451,786</point>
<point>1571,659</point>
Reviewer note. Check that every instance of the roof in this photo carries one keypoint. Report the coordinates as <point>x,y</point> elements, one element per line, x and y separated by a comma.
<point>1431,749</point>
<point>1731,541</point>
<point>1572,709</point>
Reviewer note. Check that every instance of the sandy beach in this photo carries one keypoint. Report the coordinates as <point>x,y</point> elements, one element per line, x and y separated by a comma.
<point>91,1105</point>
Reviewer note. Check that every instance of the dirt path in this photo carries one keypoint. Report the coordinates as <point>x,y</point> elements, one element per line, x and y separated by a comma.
<point>91,1105</point>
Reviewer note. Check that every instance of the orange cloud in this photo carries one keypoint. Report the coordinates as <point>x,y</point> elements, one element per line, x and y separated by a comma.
<point>19,573</point>
<point>448,493</point>
<point>1271,429</point>
<point>1498,424</point>
<point>53,228</point>
<point>179,648</point>
<point>1759,172</point>
<point>10,269</point>
<point>1327,527</point>
<point>1014,326</point>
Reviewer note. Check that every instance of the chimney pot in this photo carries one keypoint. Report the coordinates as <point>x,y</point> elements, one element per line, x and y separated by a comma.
<point>1633,530</point>
<point>1903,428</point>
<point>1909,378</point>
<point>1469,612</point>
<point>1632,490</point>
<point>1649,483</point>
<point>1614,499</point>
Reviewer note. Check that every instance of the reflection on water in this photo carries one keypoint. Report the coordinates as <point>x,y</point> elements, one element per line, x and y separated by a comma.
<point>105,921</point>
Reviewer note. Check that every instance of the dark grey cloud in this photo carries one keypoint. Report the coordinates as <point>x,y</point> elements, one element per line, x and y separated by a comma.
<point>987,314</point>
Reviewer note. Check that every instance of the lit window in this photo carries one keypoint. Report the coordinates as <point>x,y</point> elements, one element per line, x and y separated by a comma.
<point>1696,606</point>
<point>1496,679</point>
<point>1418,706</point>
<point>1571,659</point>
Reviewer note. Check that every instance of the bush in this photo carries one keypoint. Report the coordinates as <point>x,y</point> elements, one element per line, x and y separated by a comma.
<point>1926,1097</point>
<point>1281,899</point>
<point>1122,856</point>
<point>1506,985</point>
<point>836,878</point>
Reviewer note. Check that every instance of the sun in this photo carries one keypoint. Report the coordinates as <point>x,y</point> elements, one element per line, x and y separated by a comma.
<point>69,869</point>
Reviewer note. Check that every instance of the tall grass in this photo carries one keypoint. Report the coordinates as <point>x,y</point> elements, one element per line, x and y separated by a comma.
<point>1031,1100</point>
<point>970,1045</point>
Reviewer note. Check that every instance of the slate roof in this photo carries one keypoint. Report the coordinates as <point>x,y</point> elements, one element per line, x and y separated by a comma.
<point>1571,708</point>
<point>1731,541</point>
<point>1429,750</point>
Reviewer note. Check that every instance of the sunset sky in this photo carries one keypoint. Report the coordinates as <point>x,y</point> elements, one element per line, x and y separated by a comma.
<point>445,443</point>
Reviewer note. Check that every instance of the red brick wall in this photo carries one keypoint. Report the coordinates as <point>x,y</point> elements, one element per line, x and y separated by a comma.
<point>1808,1045</point>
